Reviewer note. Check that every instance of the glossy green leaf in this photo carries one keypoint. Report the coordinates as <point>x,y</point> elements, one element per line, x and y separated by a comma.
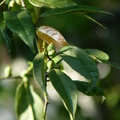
<point>82,86</point>
<point>97,54</point>
<point>52,3</point>
<point>80,61</point>
<point>77,65</point>
<point>80,10</point>
<point>8,38</point>
<point>20,23</point>
<point>38,70</point>
<point>66,89</point>
<point>76,9</point>
<point>28,105</point>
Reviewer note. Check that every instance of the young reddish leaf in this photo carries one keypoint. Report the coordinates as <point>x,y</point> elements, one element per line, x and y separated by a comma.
<point>51,35</point>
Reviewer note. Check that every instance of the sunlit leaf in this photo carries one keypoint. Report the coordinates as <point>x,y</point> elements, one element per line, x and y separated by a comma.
<point>8,38</point>
<point>52,3</point>
<point>51,35</point>
<point>80,61</point>
<point>38,69</point>
<point>97,54</point>
<point>18,2</point>
<point>29,106</point>
<point>77,65</point>
<point>66,89</point>
<point>20,23</point>
<point>7,1</point>
<point>82,86</point>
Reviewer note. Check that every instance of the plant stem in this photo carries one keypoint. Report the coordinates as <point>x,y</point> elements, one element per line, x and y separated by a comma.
<point>15,77</point>
<point>46,104</point>
<point>41,47</point>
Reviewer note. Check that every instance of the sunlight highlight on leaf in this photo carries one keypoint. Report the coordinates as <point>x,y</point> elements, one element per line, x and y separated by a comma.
<point>66,89</point>
<point>52,3</point>
<point>86,65</point>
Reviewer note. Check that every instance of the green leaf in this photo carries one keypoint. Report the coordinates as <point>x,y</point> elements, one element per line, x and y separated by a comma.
<point>80,10</point>
<point>7,1</point>
<point>80,61</point>
<point>20,23</point>
<point>76,9</point>
<point>66,89</point>
<point>82,86</point>
<point>97,54</point>
<point>38,70</point>
<point>29,106</point>
<point>92,19</point>
<point>52,3</point>
<point>77,65</point>
<point>111,64</point>
<point>8,38</point>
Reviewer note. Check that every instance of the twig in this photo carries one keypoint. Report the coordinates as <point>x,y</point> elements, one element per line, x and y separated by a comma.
<point>2,2</point>
<point>16,77</point>
<point>36,22</point>
<point>46,104</point>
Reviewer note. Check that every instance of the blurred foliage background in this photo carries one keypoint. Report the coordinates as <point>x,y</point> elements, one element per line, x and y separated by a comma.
<point>83,33</point>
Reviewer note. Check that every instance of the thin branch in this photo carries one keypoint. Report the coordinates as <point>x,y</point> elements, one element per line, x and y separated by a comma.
<point>37,22</point>
<point>2,2</point>
<point>45,97</point>
<point>15,77</point>
<point>46,104</point>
